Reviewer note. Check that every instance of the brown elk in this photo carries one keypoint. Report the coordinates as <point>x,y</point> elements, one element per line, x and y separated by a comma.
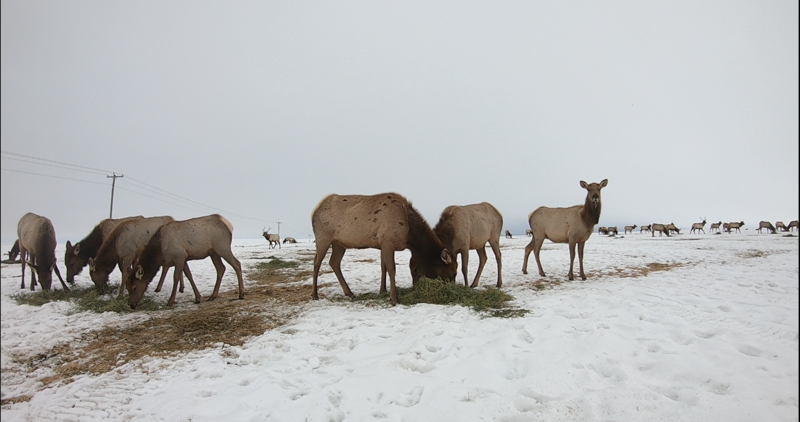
<point>461,228</point>
<point>602,230</point>
<point>673,229</point>
<point>660,228</point>
<point>792,225</point>
<point>14,252</point>
<point>714,226</point>
<point>528,232</point>
<point>508,235</point>
<point>735,226</point>
<point>177,242</point>
<point>766,225</point>
<point>698,226</point>
<point>77,256</point>
<point>645,228</point>
<point>272,238</point>
<point>613,231</point>
<point>571,225</point>
<point>289,240</point>
<point>780,226</point>
<point>725,227</point>
<point>385,221</point>
<point>37,248</point>
<point>630,228</point>
<point>119,248</point>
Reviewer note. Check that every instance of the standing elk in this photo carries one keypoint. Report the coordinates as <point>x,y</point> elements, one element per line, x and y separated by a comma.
<point>528,232</point>
<point>289,240</point>
<point>660,228</point>
<point>14,252</point>
<point>508,235</point>
<point>766,225</point>
<point>645,228</point>
<point>630,228</point>
<point>698,227</point>
<point>461,228</point>
<point>119,248</point>
<point>272,238</point>
<point>714,226</point>
<point>37,248</point>
<point>613,231</point>
<point>735,226</point>
<point>77,256</point>
<point>385,221</point>
<point>780,226</point>
<point>793,225</point>
<point>177,242</point>
<point>571,225</point>
<point>725,227</point>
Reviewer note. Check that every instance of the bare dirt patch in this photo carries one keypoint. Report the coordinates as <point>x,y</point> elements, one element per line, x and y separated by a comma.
<point>634,271</point>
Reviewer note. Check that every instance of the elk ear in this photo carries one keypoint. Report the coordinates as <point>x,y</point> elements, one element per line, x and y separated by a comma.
<point>139,272</point>
<point>604,183</point>
<point>584,185</point>
<point>31,264</point>
<point>446,257</point>
<point>77,248</point>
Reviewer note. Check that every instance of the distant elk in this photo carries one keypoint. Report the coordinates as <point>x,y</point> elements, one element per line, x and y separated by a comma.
<point>714,226</point>
<point>508,235</point>
<point>462,228</point>
<point>602,230</point>
<point>735,226</point>
<point>698,226</point>
<point>176,243</point>
<point>385,221</point>
<point>573,225</point>
<point>780,226</point>
<point>765,225</point>
<point>14,252</point>
<point>528,232</point>
<point>37,248</point>
<point>272,238</point>
<point>645,229</point>
<point>613,231</point>
<point>673,229</point>
<point>660,228</point>
<point>793,225</point>
<point>289,240</point>
<point>77,256</point>
<point>725,227</point>
<point>630,228</point>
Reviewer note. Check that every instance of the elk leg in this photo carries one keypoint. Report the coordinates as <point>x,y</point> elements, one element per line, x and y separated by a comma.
<point>188,274</point>
<point>571,275</point>
<point>237,268</point>
<point>536,250</point>
<point>336,263</point>
<point>220,271</point>
<point>580,259</point>
<point>387,259</point>
<point>123,269</point>
<point>322,250</point>
<point>164,269</point>
<point>481,263</point>
<point>528,249</point>
<point>383,277</point>
<point>58,273</point>
<point>464,264</point>
<point>497,255</point>
<point>176,279</point>
<point>23,258</point>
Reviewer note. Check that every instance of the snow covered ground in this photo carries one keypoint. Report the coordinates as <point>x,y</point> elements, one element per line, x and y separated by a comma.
<point>691,327</point>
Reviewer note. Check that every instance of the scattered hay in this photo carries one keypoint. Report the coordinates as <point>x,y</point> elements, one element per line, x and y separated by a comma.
<point>752,253</point>
<point>634,272</point>
<point>86,299</point>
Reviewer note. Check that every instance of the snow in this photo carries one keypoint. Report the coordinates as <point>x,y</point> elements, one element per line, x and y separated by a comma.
<point>711,334</point>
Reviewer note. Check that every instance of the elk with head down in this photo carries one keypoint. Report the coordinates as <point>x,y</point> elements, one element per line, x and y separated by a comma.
<point>735,226</point>
<point>528,232</point>
<point>289,240</point>
<point>698,227</point>
<point>37,248</point>
<point>272,238</point>
<point>602,230</point>
<point>793,225</point>
<point>780,226</point>
<point>385,221</point>
<point>612,231</point>
<point>630,228</point>
<point>766,225</point>
<point>461,228</point>
<point>177,242</point>
<point>571,225</point>
<point>660,228</point>
<point>673,229</point>
<point>14,252</point>
<point>77,256</point>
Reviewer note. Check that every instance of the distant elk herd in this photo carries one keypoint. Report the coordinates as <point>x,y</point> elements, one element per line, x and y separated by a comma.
<point>140,246</point>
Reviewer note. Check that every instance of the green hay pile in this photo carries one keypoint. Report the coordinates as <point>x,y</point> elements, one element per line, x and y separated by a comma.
<point>491,301</point>
<point>86,299</point>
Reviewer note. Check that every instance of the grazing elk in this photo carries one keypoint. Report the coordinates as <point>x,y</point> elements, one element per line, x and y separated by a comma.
<point>630,228</point>
<point>77,256</point>
<point>289,240</point>
<point>613,231</point>
<point>660,228</point>
<point>602,230</point>
<point>385,221</point>
<point>272,238</point>
<point>14,252</point>
<point>793,225</point>
<point>766,225</point>
<point>508,235</point>
<point>673,229</point>
<point>461,228</point>
<point>571,225</point>
<point>528,232</point>
<point>735,226</point>
<point>714,226</point>
<point>645,228</point>
<point>698,227</point>
<point>119,248</point>
<point>177,242</point>
<point>37,248</point>
<point>780,226</point>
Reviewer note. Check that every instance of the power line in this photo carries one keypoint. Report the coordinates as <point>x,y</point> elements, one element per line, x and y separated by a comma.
<point>50,165</point>
<point>55,177</point>
<point>53,161</point>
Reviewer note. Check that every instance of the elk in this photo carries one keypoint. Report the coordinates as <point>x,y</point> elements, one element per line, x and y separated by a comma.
<point>385,221</point>
<point>77,256</point>
<point>602,230</point>
<point>673,229</point>
<point>119,248</point>
<point>289,240</point>
<point>645,229</point>
<point>528,232</point>
<point>778,226</point>
<point>461,228</point>
<point>273,239</point>
<point>177,242</point>
<point>660,228</point>
<point>714,226</point>
<point>735,226</point>
<point>725,227</point>
<point>508,235</point>
<point>14,252</point>
<point>765,225</point>
<point>613,231</point>
<point>630,228</point>
<point>698,226</point>
<point>571,225</point>
<point>793,225</point>
<point>37,248</point>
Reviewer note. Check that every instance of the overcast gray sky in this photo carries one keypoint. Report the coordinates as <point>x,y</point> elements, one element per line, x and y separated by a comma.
<point>257,110</point>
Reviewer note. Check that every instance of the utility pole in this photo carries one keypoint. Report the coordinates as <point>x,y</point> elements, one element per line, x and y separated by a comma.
<point>113,182</point>
<point>279,228</point>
